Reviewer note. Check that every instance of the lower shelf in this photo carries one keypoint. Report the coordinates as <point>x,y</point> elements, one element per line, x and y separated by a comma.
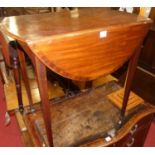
<point>86,119</point>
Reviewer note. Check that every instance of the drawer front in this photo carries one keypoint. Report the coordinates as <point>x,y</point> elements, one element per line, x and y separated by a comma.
<point>123,142</point>
<point>136,136</point>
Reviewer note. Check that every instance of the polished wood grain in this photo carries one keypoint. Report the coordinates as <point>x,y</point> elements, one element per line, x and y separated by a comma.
<point>69,46</point>
<point>72,56</point>
<point>39,26</point>
<point>82,46</point>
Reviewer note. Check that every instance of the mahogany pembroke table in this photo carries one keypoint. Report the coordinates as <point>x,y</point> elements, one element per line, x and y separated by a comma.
<point>82,46</point>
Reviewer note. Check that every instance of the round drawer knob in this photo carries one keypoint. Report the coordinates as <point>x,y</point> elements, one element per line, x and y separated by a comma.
<point>131,143</point>
<point>134,129</point>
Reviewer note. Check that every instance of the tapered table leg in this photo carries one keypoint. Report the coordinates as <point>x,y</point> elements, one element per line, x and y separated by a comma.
<point>129,78</point>
<point>43,89</point>
<point>25,77</point>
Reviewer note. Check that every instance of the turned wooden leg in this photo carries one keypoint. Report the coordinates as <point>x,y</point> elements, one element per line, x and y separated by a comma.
<point>129,78</point>
<point>43,89</point>
<point>17,79</point>
<point>25,77</point>
<point>1,77</point>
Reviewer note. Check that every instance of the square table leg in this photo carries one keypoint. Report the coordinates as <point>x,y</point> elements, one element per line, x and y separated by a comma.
<point>25,77</point>
<point>43,89</point>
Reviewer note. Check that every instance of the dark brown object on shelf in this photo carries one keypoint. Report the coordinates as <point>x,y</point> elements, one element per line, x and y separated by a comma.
<point>83,47</point>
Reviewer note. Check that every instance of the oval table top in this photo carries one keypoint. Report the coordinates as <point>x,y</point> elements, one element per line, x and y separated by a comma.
<point>80,45</point>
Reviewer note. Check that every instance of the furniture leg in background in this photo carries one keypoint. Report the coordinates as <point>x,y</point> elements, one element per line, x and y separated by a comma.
<point>17,78</point>
<point>11,60</point>
<point>14,58</point>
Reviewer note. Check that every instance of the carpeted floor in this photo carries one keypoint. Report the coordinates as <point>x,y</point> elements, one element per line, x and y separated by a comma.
<point>9,135</point>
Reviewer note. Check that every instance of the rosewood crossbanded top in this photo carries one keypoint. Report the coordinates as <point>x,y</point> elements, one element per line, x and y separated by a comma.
<point>81,45</point>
